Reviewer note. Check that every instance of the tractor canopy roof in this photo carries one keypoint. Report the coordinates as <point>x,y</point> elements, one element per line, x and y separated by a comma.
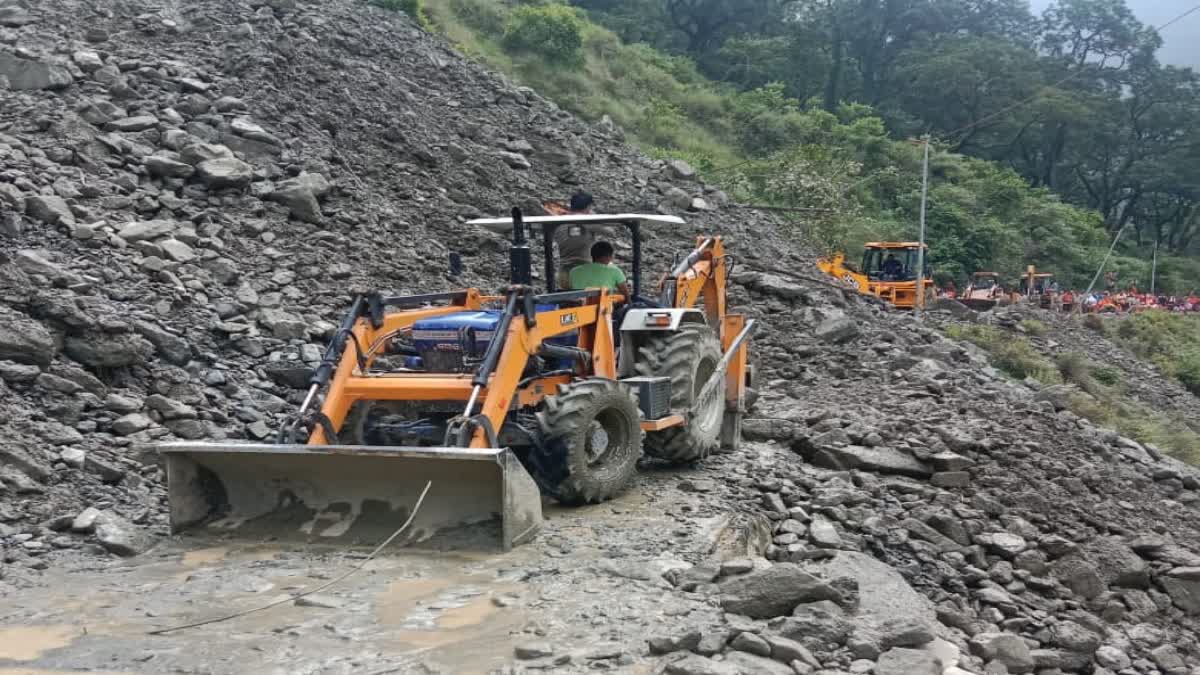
<point>504,225</point>
<point>893,244</point>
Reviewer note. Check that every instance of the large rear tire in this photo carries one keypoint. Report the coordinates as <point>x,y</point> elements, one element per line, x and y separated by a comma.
<point>688,357</point>
<point>592,440</point>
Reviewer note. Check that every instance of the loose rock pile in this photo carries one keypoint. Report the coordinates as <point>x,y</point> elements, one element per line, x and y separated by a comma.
<point>190,192</point>
<point>1043,544</point>
<point>189,197</point>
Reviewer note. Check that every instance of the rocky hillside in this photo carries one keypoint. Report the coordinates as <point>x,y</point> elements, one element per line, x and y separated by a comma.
<point>191,190</point>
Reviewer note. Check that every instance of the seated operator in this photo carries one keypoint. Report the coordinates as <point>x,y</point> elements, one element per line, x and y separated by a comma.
<point>575,240</point>
<point>601,272</point>
<point>892,269</point>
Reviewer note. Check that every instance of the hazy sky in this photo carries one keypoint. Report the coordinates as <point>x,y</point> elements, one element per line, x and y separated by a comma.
<point>1181,40</point>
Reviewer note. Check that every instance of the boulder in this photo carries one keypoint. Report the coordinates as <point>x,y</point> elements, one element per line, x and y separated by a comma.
<point>694,664</point>
<point>817,624</point>
<point>169,346</point>
<point>120,536</point>
<point>880,460</point>
<point>131,424</point>
<point>772,592</point>
<point>15,16</point>
<point>1117,564</point>
<point>751,664</point>
<point>302,196</point>
<point>837,330</point>
<point>24,340</point>
<point>1010,650</point>
<point>224,172</point>
<point>196,153</point>
<point>901,661</point>
<point>1079,575</point>
<point>145,230</point>
<point>168,166</point>
<point>1183,585</point>
<point>30,74</point>
<point>108,350</point>
<point>49,209</point>
<point>132,124</point>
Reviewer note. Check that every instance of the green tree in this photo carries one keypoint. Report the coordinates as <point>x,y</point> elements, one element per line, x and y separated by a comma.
<point>552,31</point>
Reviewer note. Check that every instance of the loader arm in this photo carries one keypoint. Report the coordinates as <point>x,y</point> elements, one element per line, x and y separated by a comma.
<point>835,267</point>
<point>704,279</point>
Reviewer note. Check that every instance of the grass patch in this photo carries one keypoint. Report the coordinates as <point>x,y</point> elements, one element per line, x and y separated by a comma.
<point>1099,399</point>
<point>413,8</point>
<point>1170,341</point>
<point>661,102</point>
<point>1013,355</point>
<point>1034,327</point>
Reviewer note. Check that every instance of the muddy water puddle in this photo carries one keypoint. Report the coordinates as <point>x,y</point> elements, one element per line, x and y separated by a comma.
<point>26,643</point>
<point>466,620</point>
<point>43,671</point>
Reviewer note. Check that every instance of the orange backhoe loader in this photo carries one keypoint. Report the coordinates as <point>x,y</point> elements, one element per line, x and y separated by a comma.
<point>889,271</point>
<point>984,291</point>
<point>494,399</point>
<point>1038,287</point>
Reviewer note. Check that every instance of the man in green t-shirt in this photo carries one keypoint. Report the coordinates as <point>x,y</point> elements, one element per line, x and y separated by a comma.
<point>600,273</point>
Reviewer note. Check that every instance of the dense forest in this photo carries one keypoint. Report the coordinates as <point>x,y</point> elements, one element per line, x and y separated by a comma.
<point>1052,132</point>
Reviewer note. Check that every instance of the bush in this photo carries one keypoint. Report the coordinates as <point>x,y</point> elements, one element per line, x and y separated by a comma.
<point>1108,377</point>
<point>413,8</point>
<point>485,16</point>
<point>553,31</point>
<point>1034,327</point>
<point>1094,322</point>
<point>1187,370</point>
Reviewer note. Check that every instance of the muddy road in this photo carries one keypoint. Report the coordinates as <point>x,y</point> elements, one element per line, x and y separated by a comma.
<point>589,589</point>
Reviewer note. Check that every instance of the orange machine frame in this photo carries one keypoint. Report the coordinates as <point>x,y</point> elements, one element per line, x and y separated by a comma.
<point>350,384</point>
<point>704,280</point>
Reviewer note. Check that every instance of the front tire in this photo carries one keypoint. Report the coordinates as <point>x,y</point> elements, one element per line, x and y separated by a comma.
<point>592,441</point>
<point>689,357</point>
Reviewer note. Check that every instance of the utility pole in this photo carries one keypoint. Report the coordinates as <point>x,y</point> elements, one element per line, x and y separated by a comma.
<point>1079,305</point>
<point>1154,266</point>
<point>920,304</point>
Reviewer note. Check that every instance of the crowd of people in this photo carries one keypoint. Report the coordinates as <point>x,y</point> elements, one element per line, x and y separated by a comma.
<point>1051,296</point>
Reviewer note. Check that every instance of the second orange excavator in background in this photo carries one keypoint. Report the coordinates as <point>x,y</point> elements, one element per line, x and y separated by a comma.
<point>888,271</point>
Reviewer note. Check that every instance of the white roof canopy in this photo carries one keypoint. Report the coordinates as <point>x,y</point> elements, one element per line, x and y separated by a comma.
<point>506,224</point>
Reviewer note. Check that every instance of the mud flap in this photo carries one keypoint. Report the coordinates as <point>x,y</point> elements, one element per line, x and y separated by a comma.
<point>342,494</point>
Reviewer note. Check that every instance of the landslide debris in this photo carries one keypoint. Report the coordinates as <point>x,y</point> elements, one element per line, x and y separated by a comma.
<point>191,191</point>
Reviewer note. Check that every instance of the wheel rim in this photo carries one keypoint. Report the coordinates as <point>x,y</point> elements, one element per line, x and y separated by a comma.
<point>607,440</point>
<point>707,418</point>
<point>597,443</point>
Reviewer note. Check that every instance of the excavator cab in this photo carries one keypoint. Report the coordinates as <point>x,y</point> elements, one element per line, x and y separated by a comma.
<point>891,261</point>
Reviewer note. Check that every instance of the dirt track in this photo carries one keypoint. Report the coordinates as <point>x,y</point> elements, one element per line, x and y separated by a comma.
<point>592,580</point>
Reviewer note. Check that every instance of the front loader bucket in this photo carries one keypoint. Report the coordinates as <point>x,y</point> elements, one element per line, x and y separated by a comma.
<point>979,304</point>
<point>348,494</point>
